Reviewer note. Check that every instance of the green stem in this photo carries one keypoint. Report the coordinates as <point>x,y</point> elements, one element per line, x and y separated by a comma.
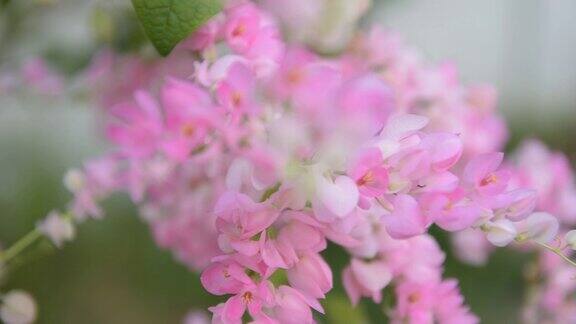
<point>557,252</point>
<point>20,245</point>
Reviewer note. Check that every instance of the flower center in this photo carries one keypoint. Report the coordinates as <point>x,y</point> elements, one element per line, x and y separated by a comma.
<point>413,298</point>
<point>239,30</point>
<point>247,297</point>
<point>187,130</point>
<point>366,179</point>
<point>294,76</point>
<point>236,99</point>
<point>491,178</point>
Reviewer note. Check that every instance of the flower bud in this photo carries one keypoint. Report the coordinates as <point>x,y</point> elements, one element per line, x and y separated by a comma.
<point>570,238</point>
<point>501,232</point>
<point>542,227</point>
<point>18,307</point>
<point>57,228</point>
<point>74,180</point>
<point>311,275</point>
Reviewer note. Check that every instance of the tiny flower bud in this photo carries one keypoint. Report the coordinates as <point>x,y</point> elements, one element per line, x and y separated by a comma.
<point>570,238</point>
<point>196,317</point>
<point>18,307</point>
<point>57,228</point>
<point>74,180</point>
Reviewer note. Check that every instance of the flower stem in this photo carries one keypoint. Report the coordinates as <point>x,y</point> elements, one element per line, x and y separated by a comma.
<point>558,252</point>
<point>20,245</point>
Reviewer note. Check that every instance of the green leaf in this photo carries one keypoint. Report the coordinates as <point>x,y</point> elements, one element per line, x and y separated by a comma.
<point>167,22</point>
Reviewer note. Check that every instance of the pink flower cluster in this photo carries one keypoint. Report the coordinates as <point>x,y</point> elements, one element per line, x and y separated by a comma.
<point>249,164</point>
<point>550,280</point>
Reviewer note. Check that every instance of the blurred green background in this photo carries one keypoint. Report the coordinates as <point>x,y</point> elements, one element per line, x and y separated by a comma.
<point>114,273</point>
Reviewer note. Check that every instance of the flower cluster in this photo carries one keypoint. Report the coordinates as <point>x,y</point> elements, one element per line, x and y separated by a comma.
<point>248,155</point>
<point>550,279</point>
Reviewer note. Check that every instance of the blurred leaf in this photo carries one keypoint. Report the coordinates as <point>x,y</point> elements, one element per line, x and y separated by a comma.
<point>167,22</point>
<point>103,24</point>
<point>340,311</point>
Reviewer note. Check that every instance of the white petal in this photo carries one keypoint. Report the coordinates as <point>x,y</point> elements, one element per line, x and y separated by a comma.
<point>501,232</point>
<point>339,197</point>
<point>542,227</point>
<point>401,125</point>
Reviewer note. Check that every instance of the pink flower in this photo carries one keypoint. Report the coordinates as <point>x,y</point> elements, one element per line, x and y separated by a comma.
<point>368,101</point>
<point>138,126</point>
<point>370,174</point>
<point>293,72</point>
<point>482,174</point>
<point>38,75</point>
<point>235,92</point>
<point>252,298</point>
<point>364,278</point>
<point>226,277</point>
<point>444,149</point>
<point>205,36</point>
<point>516,204</point>
<point>453,211</point>
<point>239,219</point>
<point>189,117</point>
<point>293,307</point>
<point>449,305</point>
<point>472,247</point>
<point>415,303</point>
<point>294,238</point>
<point>242,26</point>
<point>406,219</point>
<point>311,275</point>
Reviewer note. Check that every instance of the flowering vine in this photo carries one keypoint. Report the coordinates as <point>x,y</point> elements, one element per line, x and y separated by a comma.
<point>247,154</point>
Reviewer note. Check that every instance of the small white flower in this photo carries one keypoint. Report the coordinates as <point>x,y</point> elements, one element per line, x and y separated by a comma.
<point>57,228</point>
<point>570,238</point>
<point>542,227</point>
<point>501,232</point>
<point>18,307</point>
<point>74,180</point>
<point>197,317</point>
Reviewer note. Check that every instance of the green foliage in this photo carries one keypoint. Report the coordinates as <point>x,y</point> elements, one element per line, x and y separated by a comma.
<point>340,311</point>
<point>167,22</point>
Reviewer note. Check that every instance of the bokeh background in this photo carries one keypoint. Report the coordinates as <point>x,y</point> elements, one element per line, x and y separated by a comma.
<point>114,273</point>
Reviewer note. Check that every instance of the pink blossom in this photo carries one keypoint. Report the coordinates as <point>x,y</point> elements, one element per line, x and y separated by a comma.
<point>311,275</point>
<point>453,211</point>
<point>235,92</point>
<point>37,74</point>
<point>483,175</point>
<point>239,219</point>
<point>138,125</point>
<point>189,116</point>
<point>242,26</point>
<point>406,220</point>
<point>366,279</point>
<point>292,307</point>
<point>370,174</point>
<point>415,303</point>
